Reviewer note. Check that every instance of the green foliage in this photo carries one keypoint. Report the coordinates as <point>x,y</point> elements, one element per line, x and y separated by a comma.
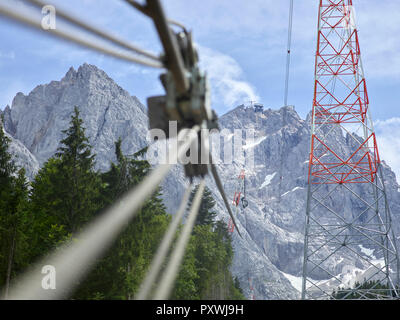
<point>366,290</point>
<point>67,193</point>
<point>186,287</point>
<point>206,215</point>
<point>119,274</point>
<point>79,187</point>
<point>13,223</point>
<point>205,272</point>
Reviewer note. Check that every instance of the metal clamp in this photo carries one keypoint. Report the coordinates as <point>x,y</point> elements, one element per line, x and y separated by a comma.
<point>188,108</point>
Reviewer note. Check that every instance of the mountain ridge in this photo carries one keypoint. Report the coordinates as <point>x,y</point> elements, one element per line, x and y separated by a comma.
<point>270,253</point>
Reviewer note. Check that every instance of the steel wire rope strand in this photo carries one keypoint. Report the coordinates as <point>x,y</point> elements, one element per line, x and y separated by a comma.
<point>98,32</point>
<point>76,258</point>
<point>285,103</point>
<point>172,269</point>
<point>289,44</point>
<point>222,192</point>
<point>163,248</point>
<point>145,11</point>
<point>169,276</point>
<point>172,55</point>
<point>29,21</point>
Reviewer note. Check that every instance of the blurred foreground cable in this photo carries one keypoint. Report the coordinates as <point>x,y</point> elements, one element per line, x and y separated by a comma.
<point>169,276</point>
<point>163,248</point>
<point>96,31</point>
<point>222,192</point>
<point>25,18</point>
<point>74,260</point>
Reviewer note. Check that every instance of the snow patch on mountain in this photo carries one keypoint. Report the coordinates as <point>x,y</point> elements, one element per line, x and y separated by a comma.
<point>255,143</point>
<point>271,250</point>
<point>293,190</point>
<point>296,282</point>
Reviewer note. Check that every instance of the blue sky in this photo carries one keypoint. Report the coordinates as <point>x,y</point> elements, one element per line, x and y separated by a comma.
<point>242,46</point>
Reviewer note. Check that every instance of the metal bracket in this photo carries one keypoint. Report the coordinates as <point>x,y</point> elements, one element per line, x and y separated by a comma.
<point>192,107</point>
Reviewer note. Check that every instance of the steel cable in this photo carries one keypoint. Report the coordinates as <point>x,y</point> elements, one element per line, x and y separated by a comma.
<point>289,44</point>
<point>98,32</point>
<point>173,56</point>
<point>163,249</point>
<point>143,9</point>
<point>73,37</point>
<point>222,192</point>
<point>172,269</point>
<point>75,259</point>
<point>146,12</point>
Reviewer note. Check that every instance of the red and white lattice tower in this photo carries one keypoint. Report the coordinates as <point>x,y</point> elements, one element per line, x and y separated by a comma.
<point>239,194</point>
<point>350,249</point>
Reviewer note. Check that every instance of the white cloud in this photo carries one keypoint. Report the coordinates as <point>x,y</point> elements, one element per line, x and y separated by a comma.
<point>228,86</point>
<point>378,32</point>
<point>388,132</point>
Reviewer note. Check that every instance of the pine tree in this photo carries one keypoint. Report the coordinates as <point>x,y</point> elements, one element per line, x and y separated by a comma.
<point>186,286</point>
<point>13,199</point>
<point>206,215</point>
<point>76,169</point>
<point>7,165</point>
<point>65,193</point>
<point>211,248</point>
<point>18,224</point>
<point>359,291</point>
<point>119,274</point>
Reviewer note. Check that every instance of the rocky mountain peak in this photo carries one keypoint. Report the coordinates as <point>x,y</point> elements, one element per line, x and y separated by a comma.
<point>108,111</point>
<point>70,75</point>
<point>85,72</point>
<point>271,250</point>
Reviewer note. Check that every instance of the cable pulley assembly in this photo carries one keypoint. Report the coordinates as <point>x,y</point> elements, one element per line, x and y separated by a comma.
<point>187,99</point>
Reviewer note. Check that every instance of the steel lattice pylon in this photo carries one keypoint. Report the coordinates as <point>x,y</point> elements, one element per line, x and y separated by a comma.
<point>349,249</point>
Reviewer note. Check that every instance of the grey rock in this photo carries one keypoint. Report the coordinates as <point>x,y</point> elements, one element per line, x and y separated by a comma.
<point>271,251</point>
<point>107,110</point>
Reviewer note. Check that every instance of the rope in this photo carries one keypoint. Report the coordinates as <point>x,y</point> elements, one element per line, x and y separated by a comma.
<point>289,44</point>
<point>143,9</point>
<point>173,56</point>
<point>177,255</point>
<point>162,251</point>
<point>76,259</point>
<point>73,37</point>
<point>97,32</point>
<point>222,192</point>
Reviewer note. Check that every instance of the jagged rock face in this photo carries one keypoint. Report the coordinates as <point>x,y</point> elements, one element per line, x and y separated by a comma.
<point>271,250</point>
<point>276,189</point>
<point>23,158</point>
<point>107,110</point>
